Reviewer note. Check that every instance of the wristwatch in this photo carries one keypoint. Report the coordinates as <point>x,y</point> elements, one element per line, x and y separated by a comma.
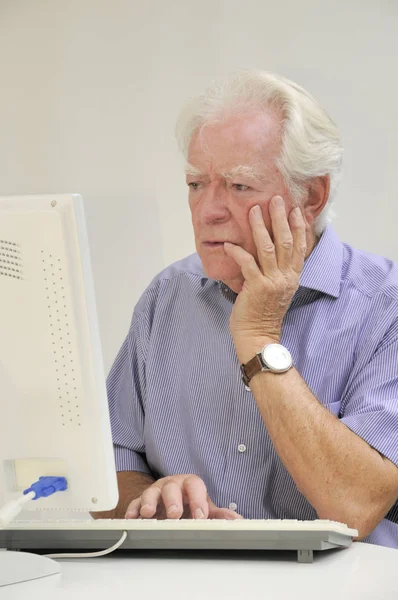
<point>273,357</point>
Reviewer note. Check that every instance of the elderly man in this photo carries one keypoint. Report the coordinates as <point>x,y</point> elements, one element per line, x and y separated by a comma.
<point>259,377</point>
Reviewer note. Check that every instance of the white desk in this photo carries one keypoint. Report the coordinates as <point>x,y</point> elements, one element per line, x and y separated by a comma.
<point>361,572</point>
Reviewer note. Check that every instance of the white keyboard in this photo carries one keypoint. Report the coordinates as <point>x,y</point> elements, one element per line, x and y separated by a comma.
<point>199,534</point>
<point>186,524</point>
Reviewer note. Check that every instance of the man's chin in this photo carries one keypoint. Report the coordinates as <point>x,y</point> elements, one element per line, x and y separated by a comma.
<point>232,277</point>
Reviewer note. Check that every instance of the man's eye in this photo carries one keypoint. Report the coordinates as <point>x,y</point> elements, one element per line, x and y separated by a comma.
<point>240,187</point>
<point>194,185</point>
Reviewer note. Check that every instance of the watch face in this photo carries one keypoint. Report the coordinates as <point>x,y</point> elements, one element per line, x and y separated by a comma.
<point>277,357</point>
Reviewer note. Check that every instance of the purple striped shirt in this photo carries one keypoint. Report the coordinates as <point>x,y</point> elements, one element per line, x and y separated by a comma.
<point>178,404</point>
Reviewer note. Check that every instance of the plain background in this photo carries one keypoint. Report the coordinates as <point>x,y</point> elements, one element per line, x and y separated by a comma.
<point>90,90</point>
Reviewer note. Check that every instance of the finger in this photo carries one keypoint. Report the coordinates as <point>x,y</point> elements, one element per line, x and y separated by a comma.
<point>172,499</point>
<point>150,500</point>
<point>133,509</point>
<point>224,513</point>
<point>196,493</point>
<point>221,513</point>
<point>297,226</point>
<point>283,237</point>
<point>265,248</point>
<point>246,262</point>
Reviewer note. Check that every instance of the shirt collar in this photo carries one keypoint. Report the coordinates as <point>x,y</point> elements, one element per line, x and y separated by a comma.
<point>322,269</point>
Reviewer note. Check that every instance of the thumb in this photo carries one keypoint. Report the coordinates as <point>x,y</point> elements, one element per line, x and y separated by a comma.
<point>222,513</point>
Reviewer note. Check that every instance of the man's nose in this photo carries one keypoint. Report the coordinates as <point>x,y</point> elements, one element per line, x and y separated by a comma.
<point>213,205</point>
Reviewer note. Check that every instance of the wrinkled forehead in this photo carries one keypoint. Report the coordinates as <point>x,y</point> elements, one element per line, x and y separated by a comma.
<point>235,145</point>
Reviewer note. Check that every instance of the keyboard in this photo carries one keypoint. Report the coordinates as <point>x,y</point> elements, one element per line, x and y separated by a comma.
<point>193,534</point>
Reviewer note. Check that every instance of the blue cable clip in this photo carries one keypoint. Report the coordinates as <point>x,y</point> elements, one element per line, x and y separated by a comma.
<point>46,486</point>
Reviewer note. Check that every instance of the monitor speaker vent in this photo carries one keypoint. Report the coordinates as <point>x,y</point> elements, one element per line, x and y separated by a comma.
<point>10,260</point>
<point>62,342</point>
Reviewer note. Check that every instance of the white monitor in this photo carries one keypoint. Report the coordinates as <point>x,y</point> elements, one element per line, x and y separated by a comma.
<point>53,403</point>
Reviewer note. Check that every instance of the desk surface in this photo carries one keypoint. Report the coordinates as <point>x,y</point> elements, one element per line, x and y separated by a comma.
<point>362,572</point>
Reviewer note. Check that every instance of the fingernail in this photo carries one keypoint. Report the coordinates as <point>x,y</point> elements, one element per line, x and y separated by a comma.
<point>296,212</point>
<point>278,201</point>
<point>172,508</point>
<point>146,507</point>
<point>256,211</point>
<point>199,514</point>
<point>131,514</point>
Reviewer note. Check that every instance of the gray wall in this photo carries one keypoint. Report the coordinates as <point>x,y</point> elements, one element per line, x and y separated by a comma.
<point>90,90</point>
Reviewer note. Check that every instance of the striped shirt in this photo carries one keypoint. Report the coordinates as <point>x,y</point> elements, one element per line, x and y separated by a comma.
<point>178,403</point>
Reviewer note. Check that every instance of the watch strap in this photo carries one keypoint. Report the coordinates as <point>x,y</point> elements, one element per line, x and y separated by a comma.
<point>251,368</point>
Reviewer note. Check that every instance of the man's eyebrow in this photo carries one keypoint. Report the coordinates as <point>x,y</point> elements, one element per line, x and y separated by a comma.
<point>254,172</point>
<point>191,170</point>
<point>247,171</point>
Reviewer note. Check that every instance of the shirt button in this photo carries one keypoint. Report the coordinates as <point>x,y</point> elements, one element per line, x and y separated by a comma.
<point>242,448</point>
<point>232,506</point>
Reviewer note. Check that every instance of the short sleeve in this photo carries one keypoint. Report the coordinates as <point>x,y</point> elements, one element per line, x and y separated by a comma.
<point>370,405</point>
<point>126,391</point>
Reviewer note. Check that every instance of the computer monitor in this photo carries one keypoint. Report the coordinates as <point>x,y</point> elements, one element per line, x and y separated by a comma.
<point>53,403</point>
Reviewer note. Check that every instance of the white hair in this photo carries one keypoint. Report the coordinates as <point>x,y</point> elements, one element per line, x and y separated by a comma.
<point>311,145</point>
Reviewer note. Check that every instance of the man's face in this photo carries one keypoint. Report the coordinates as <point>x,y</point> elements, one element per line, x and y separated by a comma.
<point>232,168</point>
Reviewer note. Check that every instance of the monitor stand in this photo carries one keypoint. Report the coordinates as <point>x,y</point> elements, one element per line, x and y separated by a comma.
<point>16,567</point>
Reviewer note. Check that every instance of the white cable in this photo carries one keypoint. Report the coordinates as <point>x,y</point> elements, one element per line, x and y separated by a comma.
<point>13,508</point>
<point>91,554</point>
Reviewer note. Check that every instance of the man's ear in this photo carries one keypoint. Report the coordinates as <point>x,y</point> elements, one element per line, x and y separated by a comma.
<point>318,195</point>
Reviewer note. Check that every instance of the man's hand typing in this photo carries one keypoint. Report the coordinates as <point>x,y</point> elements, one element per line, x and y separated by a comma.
<point>176,497</point>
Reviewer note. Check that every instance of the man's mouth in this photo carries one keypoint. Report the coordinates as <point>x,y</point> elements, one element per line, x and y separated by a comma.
<point>212,244</point>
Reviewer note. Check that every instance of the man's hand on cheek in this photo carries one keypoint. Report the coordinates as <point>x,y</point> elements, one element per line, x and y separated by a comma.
<point>269,286</point>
